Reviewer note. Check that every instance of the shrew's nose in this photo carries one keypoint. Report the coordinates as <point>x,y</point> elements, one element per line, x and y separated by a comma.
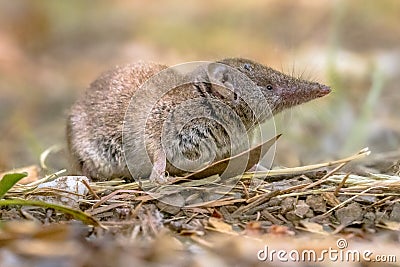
<point>323,90</point>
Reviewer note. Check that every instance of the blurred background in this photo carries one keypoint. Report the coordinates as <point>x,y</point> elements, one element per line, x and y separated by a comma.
<point>50,51</point>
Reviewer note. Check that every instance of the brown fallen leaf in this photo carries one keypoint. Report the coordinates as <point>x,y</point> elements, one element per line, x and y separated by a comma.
<point>312,227</point>
<point>220,226</point>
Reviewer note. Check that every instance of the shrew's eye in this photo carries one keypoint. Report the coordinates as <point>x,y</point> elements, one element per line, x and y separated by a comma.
<point>269,87</point>
<point>248,67</point>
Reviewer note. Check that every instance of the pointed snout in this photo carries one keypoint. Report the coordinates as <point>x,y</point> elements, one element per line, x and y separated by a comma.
<point>323,90</point>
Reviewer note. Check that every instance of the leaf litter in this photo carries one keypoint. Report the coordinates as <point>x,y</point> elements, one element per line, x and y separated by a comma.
<point>118,224</point>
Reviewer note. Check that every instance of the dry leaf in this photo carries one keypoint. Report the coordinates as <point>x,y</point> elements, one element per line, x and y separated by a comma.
<point>220,225</point>
<point>313,227</point>
<point>330,199</point>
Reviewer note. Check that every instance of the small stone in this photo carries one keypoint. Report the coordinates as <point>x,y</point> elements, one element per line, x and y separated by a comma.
<point>395,214</point>
<point>310,214</point>
<point>72,189</point>
<point>349,214</point>
<point>287,204</point>
<point>367,200</point>
<point>316,203</point>
<point>292,216</point>
<point>274,202</point>
<point>369,218</point>
<point>301,208</point>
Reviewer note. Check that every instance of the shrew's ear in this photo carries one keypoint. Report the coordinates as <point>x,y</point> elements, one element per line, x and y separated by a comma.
<point>219,74</point>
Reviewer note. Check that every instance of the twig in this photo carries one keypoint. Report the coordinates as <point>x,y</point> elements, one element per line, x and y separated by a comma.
<point>246,192</point>
<point>263,198</point>
<point>350,199</point>
<point>90,189</point>
<point>336,193</point>
<point>105,208</point>
<point>361,154</point>
<point>383,200</point>
<point>325,177</point>
<point>104,199</point>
